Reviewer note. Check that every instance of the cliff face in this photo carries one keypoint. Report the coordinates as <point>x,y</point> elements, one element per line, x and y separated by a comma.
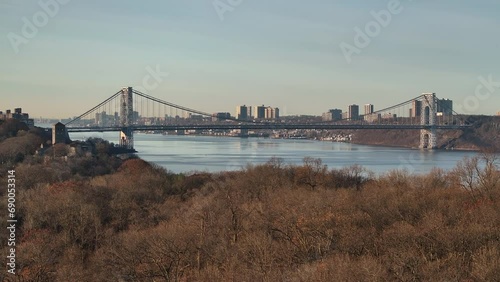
<point>398,138</point>
<point>484,133</point>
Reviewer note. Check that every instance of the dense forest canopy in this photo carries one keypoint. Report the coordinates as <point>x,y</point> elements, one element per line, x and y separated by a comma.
<point>99,217</point>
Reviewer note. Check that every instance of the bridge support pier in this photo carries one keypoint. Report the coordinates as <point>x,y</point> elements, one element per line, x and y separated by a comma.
<point>127,118</point>
<point>127,138</point>
<point>244,132</point>
<point>428,139</point>
<point>428,114</point>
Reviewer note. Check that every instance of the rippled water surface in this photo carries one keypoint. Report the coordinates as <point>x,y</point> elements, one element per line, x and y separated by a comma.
<point>204,153</point>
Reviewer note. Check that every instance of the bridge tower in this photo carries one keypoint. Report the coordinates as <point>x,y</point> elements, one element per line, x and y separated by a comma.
<point>127,118</point>
<point>428,114</point>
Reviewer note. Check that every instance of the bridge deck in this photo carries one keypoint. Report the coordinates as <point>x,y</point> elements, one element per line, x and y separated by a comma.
<point>270,126</point>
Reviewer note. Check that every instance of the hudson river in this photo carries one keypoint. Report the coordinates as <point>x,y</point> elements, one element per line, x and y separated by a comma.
<point>212,154</point>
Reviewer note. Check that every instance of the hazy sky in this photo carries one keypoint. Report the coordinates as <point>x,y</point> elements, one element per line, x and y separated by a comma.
<point>283,53</point>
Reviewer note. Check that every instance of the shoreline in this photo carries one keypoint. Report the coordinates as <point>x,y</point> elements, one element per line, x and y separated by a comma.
<point>318,140</point>
<point>416,148</point>
<point>326,141</point>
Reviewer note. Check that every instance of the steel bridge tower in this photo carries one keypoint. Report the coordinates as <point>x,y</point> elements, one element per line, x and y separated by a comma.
<point>127,118</point>
<point>428,114</point>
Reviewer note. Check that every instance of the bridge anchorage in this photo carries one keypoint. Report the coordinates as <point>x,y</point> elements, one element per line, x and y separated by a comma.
<point>129,110</point>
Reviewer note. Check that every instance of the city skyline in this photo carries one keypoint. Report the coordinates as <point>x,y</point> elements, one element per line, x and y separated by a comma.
<point>444,106</point>
<point>279,54</point>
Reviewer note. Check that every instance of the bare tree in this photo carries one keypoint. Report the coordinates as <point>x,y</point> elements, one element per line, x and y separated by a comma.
<point>478,175</point>
<point>312,173</point>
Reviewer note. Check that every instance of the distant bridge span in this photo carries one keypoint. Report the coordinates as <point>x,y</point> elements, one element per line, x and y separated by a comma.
<point>129,110</point>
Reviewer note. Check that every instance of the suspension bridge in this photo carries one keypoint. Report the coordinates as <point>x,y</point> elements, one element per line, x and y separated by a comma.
<point>128,111</point>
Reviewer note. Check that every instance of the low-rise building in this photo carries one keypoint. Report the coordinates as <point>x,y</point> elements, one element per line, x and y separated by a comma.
<point>18,115</point>
<point>332,115</point>
<point>373,117</point>
<point>220,116</point>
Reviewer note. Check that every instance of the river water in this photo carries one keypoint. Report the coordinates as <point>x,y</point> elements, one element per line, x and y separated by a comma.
<point>213,154</point>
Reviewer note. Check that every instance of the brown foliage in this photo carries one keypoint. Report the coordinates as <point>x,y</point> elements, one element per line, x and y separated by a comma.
<point>15,149</point>
<point>266,223</point>
<point>134,166</point>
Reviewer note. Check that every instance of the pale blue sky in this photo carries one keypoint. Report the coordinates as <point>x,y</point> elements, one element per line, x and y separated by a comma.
<point>279,53</point>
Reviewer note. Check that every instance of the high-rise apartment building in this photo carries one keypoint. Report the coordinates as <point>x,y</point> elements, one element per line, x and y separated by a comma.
<point>368,109</point>
<point>353,112</point>
<point>272,113</point>
<point>250,112</point>
<point>336,114</point>
<point>416,108</point>
<point>259,112</point>
<point>242,112</point>
<point>269,113</point>
<point>445,106</point>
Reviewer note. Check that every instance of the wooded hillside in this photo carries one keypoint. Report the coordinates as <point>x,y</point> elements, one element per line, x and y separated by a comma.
<point>271,222</point>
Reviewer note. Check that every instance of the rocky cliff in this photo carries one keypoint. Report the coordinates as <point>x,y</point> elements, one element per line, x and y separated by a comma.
<point>484,133</point>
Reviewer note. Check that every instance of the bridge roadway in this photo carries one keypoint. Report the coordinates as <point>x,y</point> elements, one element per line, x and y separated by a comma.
<point>264,126</point>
